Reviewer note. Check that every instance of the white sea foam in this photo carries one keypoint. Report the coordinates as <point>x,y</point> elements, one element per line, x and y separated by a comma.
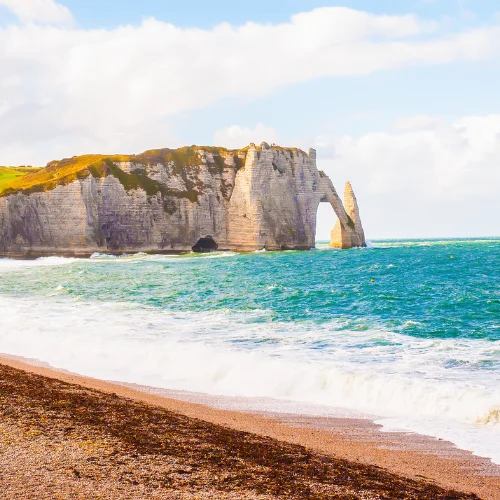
<point>14,264</point>
<point>98,255</point>
<point>437,387</point>
<point>217,255</point>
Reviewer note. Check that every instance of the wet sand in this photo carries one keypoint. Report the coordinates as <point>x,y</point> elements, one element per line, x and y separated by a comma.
<point>93,437</point>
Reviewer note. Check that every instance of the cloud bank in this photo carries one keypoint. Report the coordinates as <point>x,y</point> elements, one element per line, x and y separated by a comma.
<point>72,90</point>
<point>40,11</point>
<point>437,179</point>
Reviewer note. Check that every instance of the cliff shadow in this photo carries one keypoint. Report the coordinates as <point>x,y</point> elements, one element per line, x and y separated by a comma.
<point>204,245</point>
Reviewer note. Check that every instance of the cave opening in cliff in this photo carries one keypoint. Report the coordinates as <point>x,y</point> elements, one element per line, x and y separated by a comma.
<point>204,245</point>
<point>325,221</point>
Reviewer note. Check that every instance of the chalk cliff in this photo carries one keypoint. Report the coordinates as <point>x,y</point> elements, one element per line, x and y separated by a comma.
<point>173,200</point>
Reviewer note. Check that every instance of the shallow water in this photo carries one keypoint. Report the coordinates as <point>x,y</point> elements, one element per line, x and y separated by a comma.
<point>408,331</point>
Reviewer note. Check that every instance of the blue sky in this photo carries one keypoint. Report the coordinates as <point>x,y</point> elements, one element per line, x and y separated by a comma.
<point>199,13</point>
<point>399,97</point>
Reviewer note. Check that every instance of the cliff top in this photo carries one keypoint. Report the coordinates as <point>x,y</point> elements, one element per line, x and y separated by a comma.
<point>8,174</point>
<point>61,172</point>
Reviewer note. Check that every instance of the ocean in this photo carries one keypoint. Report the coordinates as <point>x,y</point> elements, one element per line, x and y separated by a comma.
<point>404,332</point>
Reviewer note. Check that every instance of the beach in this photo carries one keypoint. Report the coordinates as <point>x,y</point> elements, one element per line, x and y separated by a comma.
<point>68,436</point>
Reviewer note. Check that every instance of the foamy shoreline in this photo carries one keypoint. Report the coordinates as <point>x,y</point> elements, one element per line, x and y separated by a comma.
<point>355,439</point>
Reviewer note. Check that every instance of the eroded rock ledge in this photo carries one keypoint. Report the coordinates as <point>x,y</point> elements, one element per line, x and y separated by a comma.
<point>168,200</point>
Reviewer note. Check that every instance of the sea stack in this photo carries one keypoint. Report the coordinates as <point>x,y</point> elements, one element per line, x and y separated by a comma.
<point>351,234</point>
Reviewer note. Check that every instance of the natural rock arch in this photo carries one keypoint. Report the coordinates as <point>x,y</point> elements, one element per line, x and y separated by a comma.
<point>275,201</point>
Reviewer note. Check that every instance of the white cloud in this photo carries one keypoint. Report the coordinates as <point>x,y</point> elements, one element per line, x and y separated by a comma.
<point>446,161</point>
<point>112,90</point>
<point>442,180</point>
<point>43,11</point>
<point>417,122</point>
<point>237,136</point>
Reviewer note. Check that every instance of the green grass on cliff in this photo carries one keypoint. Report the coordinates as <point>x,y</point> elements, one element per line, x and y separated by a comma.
<point>56,173</point>
<point>8,174</point>
<point>184,161</point>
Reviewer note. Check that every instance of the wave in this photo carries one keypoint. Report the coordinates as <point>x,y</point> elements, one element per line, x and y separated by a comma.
<point>396,243</point>
<point>15,264</point>
<point>12,265</point>
<point>98,255</point>
<point>217,255</point>
<point>405,382</point>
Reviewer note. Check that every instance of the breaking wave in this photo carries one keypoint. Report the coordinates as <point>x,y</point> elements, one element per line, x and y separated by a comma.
<point>397,379</point>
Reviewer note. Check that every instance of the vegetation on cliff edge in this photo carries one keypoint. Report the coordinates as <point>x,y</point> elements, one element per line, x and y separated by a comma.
<point>8,174</point>
<point>184,162</point>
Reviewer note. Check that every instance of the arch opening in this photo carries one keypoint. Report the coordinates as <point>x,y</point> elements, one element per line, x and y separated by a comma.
<point>205,245</point>
<point>326,219</point>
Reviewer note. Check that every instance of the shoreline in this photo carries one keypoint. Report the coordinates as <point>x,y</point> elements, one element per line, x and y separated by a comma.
<point>84,254</point>
<point>34,255</point>
<point>358,440</point>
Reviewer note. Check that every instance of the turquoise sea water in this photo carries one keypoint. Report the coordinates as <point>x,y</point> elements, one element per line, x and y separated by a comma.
<point>407,331</point>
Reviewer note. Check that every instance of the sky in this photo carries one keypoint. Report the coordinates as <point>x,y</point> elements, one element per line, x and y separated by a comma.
<point>400,97</point>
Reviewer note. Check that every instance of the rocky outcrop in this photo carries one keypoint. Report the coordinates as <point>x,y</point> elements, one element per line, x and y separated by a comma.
<point>351,234</point>
<point>173,200</point>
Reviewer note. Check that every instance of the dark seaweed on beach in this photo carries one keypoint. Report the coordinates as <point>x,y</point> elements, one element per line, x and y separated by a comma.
<point>59,440</point>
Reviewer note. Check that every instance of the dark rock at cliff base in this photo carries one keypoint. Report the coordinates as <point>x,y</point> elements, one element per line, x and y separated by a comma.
<point>205,245</point>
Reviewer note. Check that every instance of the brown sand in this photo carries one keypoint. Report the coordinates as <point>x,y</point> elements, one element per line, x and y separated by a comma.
<point>426,462</point>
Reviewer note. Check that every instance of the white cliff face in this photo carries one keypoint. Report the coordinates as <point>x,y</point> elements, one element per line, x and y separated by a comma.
<point>270,202</point>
